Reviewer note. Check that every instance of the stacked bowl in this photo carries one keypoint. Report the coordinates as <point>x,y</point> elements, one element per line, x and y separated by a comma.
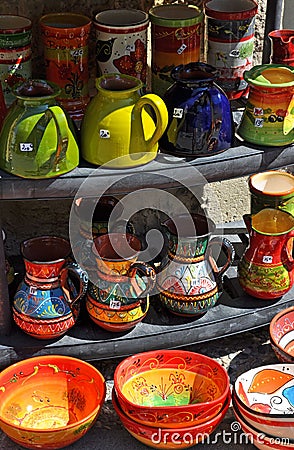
<point>282,335</point>
<point>170,398</point>
<point>263,403</point>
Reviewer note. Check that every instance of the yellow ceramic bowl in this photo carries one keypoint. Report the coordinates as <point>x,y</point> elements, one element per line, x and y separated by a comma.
<point>49,402</point>
<point>171,388</point>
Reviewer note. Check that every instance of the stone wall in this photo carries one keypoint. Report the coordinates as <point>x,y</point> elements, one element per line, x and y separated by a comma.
<point>22,220</point>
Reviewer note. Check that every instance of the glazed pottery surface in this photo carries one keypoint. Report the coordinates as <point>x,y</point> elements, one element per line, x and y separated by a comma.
<point>200,117</point>
<point>49,402</point>
<point>121,42</point>
<point>265,269</point>
<point>37,137</point>
<point>46,303</point>
<point>171,390</point>
<point>260,439</point>
<point>120,293</point>
<point>282,335</point>
<point>281,429</point>
<point>65,38</point>
<point>16,53</point>
<point>271,189</point>
<point>189,280</point>
<point>230,32</point>
<point>117,130</point>
<point>155,437</point>
<point>282,46</point>
<point>268,116</point>
<point>175,39</point>
<point>267,391</point>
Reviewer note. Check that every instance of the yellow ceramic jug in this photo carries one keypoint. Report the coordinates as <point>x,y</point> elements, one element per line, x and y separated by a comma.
<point>118,128</point>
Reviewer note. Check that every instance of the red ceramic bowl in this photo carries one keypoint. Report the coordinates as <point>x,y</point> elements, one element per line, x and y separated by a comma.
<point>261,440</point>
<point>282,335</point>
<point>267,425</point>
<point>171,388</point>
<point>266,395</point>
<point>166,438</point>
<point>49,402</point>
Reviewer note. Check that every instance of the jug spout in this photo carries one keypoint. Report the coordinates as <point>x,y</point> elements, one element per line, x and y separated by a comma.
<point>248,222</point>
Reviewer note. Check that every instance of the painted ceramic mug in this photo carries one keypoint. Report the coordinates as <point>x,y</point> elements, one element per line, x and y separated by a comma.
<point>121,42</point>
<point>175,39</point>
<point>15,53</point>
<point>65,40</point>
<point>231,42</point>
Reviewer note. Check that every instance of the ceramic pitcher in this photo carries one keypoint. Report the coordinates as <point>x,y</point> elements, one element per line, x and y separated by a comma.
<point>37,139</point>
<point>282,47</point>
<point>266,268</point>
<point>200,118</point>
<point>268,118</point>
<point>119,298</point>
<point>46,303</point>
<point>190,281</point>
<point>117,130</point>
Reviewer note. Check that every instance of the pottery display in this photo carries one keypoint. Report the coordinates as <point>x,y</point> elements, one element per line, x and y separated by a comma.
<point>176,38</point>
<point>200,117</point>
<point>119,298</point>
<point>271,189</point>
<point>165,388</point>
<point>117,130</point>
<point>268,115</point>
<point>265,269</point>
<point>282,46</point>
<point>121,42</point>
<point>46,302</point>
<point>37,138</point>
<point>162,437</point>
<point>50,402</point>
<point>65,38</point>
<point>15,53</point>
<point>230,35</point>
<point>281,334</point>
<point>189,281</point>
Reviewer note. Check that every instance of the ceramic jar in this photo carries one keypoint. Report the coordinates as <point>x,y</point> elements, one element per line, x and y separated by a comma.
<point>268,119</point>
<point>189,281</point>
<point>282,47</point>
<point>176,38</point>
<point>37,139</point>
<point>265,270</point>
<point>200,118</point>
<point>117,130</point>
<point>230,34</point>
<point>121,42</point>
<point>46,302</point>
<point>65,38</point>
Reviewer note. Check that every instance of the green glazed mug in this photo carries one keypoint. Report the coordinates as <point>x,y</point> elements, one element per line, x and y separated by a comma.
<point>37,139</point>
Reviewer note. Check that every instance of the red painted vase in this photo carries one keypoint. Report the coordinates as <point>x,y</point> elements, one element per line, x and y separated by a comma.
<point>266,268</point>
<point>282,47</point>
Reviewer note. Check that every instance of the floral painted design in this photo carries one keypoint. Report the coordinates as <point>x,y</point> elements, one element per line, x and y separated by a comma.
<point>133,64</point>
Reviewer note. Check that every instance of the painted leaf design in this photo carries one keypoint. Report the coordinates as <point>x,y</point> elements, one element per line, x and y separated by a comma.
<point>268,381</point>
<point>289,394</point>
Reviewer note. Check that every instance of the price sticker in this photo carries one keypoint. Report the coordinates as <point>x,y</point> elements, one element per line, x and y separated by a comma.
<point>26,146</point>
<point>115,304</point>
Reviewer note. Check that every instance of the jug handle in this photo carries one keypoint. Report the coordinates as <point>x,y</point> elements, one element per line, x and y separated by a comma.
<point>145,270</point>
<point>286,255</point>
<point>60,120</point>
<point>229,251</point>
<point>161,115</point>
<point>80,275</point>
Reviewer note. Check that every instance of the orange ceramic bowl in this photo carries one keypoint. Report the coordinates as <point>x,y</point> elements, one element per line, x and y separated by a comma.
<point>49,402</point>
<point>166,438</point>
<point>282,335</point>
<point>171,388</point>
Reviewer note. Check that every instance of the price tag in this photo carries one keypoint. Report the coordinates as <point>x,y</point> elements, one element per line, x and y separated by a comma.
<point>115,304</point>
<point>267,259</point>
<point>26,146</point>
<point>33,290</point>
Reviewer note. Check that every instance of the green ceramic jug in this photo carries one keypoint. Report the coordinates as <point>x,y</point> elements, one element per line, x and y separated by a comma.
<point>37,139</point>
<point>117,128</point>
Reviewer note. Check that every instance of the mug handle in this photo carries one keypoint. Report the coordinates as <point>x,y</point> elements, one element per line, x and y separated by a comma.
<point>69,290</point>
<point>229,251</point>
<point>161,116</point>
<point>144,270</point>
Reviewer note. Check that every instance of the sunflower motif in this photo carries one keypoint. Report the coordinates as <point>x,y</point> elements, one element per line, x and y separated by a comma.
<point>133,64</point>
